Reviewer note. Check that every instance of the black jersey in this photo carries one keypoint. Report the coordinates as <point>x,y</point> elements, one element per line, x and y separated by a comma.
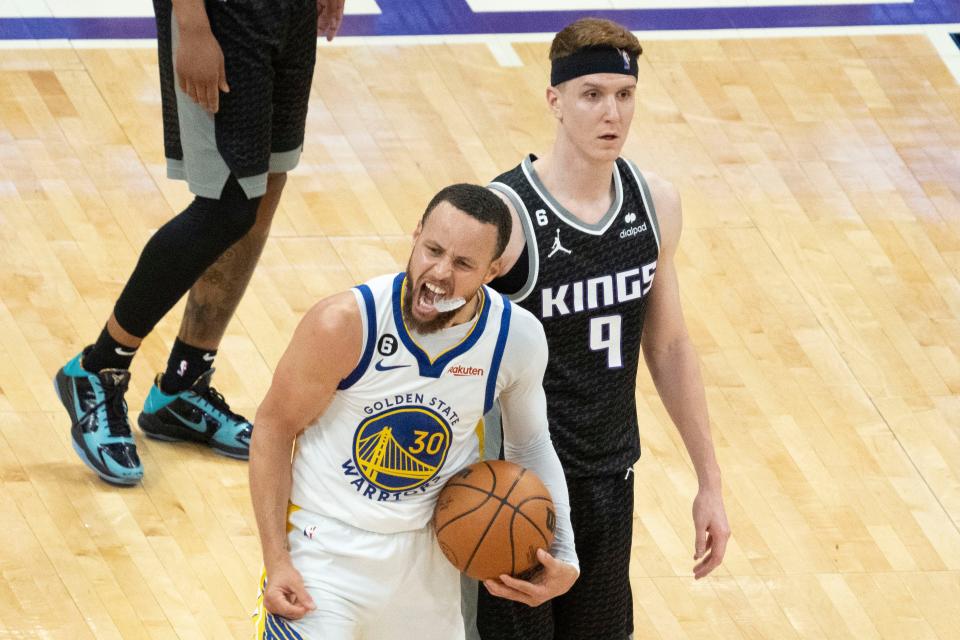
<point>588,285</point>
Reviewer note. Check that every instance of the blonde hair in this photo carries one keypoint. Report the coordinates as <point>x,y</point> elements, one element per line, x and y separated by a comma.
<point>593,32</point>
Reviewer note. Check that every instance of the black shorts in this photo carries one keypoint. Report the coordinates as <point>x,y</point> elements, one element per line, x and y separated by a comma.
<point>269,49</point>
<point>600,604</point>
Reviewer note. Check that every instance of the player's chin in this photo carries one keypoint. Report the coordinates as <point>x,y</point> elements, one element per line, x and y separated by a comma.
<point>605,151</point>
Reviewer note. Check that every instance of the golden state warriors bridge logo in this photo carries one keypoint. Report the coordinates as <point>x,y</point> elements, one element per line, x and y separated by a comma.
<point>402,448</point>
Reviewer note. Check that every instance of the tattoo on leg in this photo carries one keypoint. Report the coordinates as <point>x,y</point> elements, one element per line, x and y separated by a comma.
<point>214,298</point>
<point>216,295</point>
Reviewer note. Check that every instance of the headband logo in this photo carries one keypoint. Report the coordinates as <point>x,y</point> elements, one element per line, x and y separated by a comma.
<point>626,59</point>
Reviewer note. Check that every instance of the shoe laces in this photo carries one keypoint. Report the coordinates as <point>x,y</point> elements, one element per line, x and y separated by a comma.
<point>216,399</point>
<point>114,388</point>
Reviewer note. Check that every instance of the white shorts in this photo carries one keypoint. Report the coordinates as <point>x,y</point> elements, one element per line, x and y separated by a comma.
<point>369,586</point>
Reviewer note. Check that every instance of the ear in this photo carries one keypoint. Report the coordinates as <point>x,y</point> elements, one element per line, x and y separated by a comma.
<point>417,231</point>
<point>553,102</point>
<point>495,269</point>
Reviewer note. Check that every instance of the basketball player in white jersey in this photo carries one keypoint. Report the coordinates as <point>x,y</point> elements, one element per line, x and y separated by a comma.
<point>386,386</point>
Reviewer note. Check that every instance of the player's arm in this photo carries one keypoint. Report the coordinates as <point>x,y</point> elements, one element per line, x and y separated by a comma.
<point>672,361</point>
<point>324,349</point>
<point>199,64</point>
<point>526,441</point>
<point>511,253</point>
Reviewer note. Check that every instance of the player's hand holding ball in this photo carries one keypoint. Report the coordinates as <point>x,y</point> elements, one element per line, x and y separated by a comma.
<point>554,578</point>
<point>494,520</point>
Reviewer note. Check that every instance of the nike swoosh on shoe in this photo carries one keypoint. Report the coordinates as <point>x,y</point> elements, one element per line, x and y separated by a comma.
<point>199,427</point>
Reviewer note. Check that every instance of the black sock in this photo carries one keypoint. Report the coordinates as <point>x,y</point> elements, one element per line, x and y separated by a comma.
<point>186,364</point>
<point>107,353</point>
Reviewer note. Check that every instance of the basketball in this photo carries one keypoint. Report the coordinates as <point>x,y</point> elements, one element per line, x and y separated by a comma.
<point>491,518</point>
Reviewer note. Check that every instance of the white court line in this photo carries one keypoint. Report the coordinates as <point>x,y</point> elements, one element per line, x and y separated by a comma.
<point>120,8</point>
<point>510,6</point>
<point>504,53</point>
<point>947,48</point>
<point>691,34</point>
<point>499,43</point>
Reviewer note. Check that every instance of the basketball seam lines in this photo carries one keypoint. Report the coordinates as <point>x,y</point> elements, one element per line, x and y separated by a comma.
<point>465,513</point>
<point>493,477</point>
<point>503,502</point>
<point>516,512</point>
<point>495,514</point>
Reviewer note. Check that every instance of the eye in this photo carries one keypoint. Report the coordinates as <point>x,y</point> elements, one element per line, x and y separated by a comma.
<point>434,251</point>
<point>591,95</point>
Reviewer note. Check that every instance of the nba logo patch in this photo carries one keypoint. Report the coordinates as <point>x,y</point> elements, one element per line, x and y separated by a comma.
<point>626,59</point>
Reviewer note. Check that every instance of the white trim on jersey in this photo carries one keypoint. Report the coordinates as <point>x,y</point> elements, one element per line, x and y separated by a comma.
<point>612,214</point>
<point>648,205</point>
<point>529,235</point>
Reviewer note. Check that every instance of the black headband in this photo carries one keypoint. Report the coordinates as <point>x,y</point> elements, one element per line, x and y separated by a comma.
<point>589,60</point>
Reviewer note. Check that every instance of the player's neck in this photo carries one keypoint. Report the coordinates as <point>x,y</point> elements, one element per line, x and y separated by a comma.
<point>466,312</point>
<point>581,185</point>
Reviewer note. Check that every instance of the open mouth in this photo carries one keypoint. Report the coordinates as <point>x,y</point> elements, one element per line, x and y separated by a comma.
<point>432,298</point>
<point>610,137</point>
<point>428,295</point>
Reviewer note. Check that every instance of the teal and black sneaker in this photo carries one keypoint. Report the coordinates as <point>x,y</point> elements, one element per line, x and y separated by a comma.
<point>200,414</point>
<point>100,430</point>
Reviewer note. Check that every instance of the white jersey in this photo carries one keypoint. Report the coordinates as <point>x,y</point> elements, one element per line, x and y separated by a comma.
<point>403,421</point>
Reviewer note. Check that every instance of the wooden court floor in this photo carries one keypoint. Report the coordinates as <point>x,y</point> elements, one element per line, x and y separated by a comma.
<point>819,268</point>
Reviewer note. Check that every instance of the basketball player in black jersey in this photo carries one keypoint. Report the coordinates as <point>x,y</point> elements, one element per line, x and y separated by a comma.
<point>592,256</point>
<point>235,79</point>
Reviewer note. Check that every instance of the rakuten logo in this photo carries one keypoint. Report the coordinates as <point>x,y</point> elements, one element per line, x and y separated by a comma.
<point>460,370</point>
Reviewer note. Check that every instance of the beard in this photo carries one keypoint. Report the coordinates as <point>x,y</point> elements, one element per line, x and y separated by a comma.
<point>432,325</point>
<point>424,327</point>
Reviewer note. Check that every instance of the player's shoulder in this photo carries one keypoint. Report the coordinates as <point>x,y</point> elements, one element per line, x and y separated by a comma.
<point>333,313</point>
<point>666,201</point>
<point>524,326</point>
<point>526,349</point>
<point>381,283</point>
<point>524,317</point>
<point>343,309</point>
<point>509,177</point>
<point>660,188</point>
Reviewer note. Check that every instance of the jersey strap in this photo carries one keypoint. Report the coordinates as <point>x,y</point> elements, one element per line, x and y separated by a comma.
<point>497,355</point>
<point>371,337</point>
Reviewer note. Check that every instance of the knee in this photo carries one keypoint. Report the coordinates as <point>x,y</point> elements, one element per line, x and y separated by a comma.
<point>234,213</point>
<point>265,214</point>
<point>275,183</point>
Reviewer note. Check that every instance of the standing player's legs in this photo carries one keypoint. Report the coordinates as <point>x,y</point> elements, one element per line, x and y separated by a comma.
<point>600,603</point>
<point>369,586</point>
<point>257,134</point>
<point>500,619</point>
<point>425,604</point>
<point>214,298</point>
<point>92,385</point>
